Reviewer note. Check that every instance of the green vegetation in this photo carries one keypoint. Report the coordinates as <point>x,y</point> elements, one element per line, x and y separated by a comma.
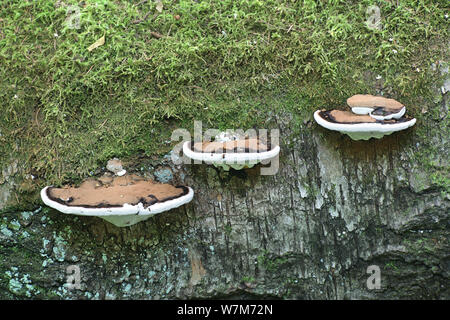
<point>270,263</point>
<point>391,265</point>
<point>232,64</point>
<point>248,279</point>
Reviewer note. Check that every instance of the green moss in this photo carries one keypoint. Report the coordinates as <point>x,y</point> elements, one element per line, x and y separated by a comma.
<point>269,263</point>
<point>392,266</point>
<point>227,228</point>
<point>431,154</point>
<point>248,279</point>
<point>14,225</point>
<point>231,64</point>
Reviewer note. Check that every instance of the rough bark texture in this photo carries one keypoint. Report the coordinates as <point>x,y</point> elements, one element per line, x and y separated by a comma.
<point>335,207</point>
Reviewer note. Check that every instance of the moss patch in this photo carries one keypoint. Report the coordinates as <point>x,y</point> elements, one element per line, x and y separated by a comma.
<point>232,64</point>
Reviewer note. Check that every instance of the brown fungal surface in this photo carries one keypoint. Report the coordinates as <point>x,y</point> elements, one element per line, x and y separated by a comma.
<point>346,117</point>
<point>339,116</point>
<point>243,145</point>
<point>370,101</point>
<point>108,192</point>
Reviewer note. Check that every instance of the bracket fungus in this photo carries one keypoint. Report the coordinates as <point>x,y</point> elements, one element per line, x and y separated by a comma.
<point>360,127</point>
<point>372,117</point>
<point>123,201</point>
<point>237,154</point>
<point>380,108</point>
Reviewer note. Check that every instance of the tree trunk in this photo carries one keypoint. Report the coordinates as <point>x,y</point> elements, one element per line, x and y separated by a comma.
<point>334,208</point>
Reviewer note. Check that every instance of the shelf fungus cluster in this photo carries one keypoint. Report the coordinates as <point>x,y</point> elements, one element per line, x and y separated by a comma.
<point>123,201</point>
<point>371,117</point>
<point>237,154</point>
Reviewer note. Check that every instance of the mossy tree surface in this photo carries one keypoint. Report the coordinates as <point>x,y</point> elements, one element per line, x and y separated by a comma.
<point>66,110</point>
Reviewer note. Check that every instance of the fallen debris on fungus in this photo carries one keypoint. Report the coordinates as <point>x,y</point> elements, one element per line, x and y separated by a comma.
<point>115,166</point>
<point>123,201</point>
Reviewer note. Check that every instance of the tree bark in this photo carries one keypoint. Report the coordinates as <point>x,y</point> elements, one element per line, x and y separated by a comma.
<point>335,207</point>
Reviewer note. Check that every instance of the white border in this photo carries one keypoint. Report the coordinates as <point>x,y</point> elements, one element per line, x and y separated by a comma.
<point>397,115</point>
<point>369,110</point>
<point>363,127</point>
<point>229,157</point>
<point>126,209</point>
<point>361,110</point>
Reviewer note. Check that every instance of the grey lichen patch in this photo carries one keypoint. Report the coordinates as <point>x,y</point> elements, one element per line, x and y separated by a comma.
<point>9,171</point>
<point>334,186</point>
<point>59,247</point>
<point>20,283</point>
<point>163,175</point>
<point>47,262</point>
<point>26,215</point>
<point>419,180</point>
<point>25,218</point>
<point>5,231</point>
<point>7,183</point>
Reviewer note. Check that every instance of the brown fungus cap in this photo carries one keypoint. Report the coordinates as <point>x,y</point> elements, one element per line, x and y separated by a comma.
<point>369,101</point>
<point>115,192</point>
<point>243,145</point>
<point>349,117</point>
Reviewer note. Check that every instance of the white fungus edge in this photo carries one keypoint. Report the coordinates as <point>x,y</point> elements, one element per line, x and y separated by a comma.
<point>363,127</point>
<point>368,110</point>
<point>126,209</point>
<point>229,157</point>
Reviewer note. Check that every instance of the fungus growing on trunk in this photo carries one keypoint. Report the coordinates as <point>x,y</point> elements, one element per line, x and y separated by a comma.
<point>236,154</point>
<point>380,108</point>
<point>123,201</point>
<point>360,127</point>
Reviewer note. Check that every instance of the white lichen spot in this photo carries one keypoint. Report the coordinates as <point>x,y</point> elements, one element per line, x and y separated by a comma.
<point>121,172</point>
<point>319,202</point>
<point>46,262</point>
<point>59,248</point>
<point>15,286</point>
<point>5,231</point>
<point>26,214</point>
